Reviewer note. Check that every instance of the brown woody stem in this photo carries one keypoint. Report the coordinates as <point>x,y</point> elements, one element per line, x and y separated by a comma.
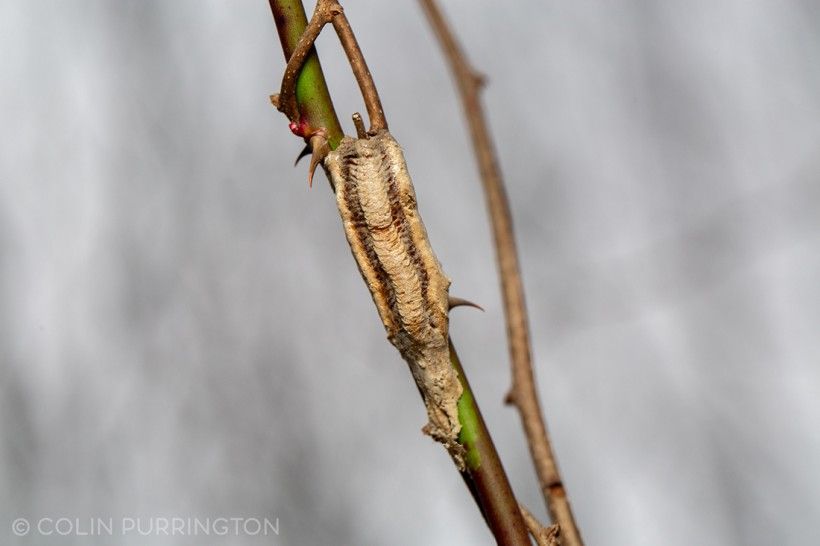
<point>372,101</point>
<point>523,392</point>
<point>328,11</point>
<point>484,473</point>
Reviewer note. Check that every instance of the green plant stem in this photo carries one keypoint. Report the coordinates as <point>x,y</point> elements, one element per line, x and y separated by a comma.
<point>484,473</point>
<point>312,95</point>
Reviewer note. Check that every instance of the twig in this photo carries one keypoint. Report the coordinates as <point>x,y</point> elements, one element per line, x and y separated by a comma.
<point>286,101</point>
<point>330,11</point>
<point>314,106</point>
<point>544,536</point>
<point>372,102</point>
<point>523,393</point>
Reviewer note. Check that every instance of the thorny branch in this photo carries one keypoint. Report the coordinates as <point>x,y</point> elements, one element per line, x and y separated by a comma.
<point>523,393</point>
<point>319,141</point>
<point>484,473</point>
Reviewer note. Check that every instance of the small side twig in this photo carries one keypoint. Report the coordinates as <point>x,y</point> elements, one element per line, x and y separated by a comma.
<point>544,536</point>
<point>372,102</point>
<point>330,11</point>
<point>286,100</point>
<point>523,392</point>
<point>313,103</point>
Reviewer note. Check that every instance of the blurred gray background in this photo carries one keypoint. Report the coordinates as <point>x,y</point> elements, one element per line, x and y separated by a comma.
<point>183,331</point>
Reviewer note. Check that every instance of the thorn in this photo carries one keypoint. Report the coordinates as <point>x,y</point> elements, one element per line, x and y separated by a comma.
<point>305,151</point>
<point>509,400</point>
<point>461,302</point>
<point>274,100</point>
<point>318,143</point>
<point>359,123</point>
<point>479,79</point>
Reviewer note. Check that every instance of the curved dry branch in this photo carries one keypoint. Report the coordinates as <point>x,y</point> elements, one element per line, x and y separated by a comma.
<point>523,393</point>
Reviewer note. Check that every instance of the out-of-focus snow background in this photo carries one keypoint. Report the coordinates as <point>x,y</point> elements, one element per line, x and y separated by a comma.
<point>183,332</point>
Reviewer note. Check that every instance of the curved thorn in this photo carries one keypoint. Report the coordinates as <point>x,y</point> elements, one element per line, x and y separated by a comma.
<point>305,151</point>
<point>320,147</point>
<point>461,302</point>
<point>509,399</point>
